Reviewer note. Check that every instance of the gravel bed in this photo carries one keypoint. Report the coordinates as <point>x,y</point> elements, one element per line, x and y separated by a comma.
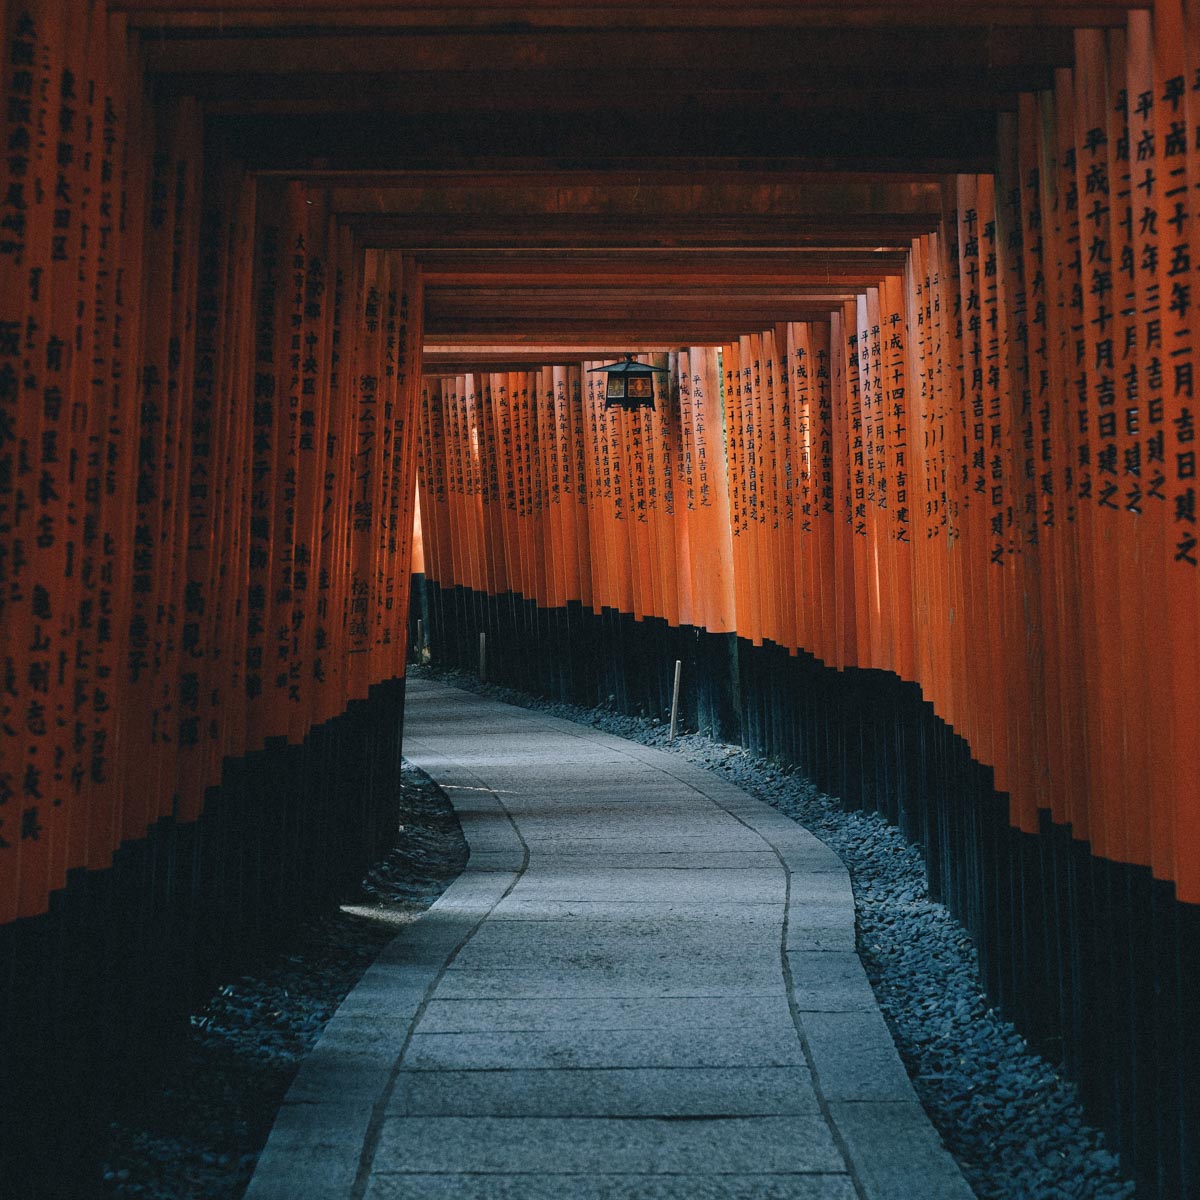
<point>197,1125</point>
<point>1014,1124</point>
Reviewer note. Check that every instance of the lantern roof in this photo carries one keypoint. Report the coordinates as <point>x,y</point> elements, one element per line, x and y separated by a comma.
<point>629,367</point>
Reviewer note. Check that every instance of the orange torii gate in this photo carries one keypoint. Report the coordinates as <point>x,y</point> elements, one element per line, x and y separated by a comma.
<point>915,506</point>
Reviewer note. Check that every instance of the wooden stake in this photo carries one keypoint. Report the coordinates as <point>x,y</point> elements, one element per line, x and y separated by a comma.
<point>675,700</point>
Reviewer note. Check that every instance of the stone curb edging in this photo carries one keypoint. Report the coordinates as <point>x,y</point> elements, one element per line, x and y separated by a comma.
<point>316,1146</point>
<point>889,1141</point>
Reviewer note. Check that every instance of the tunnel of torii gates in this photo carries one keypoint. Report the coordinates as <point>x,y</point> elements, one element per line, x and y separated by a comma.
<point>915,506</point>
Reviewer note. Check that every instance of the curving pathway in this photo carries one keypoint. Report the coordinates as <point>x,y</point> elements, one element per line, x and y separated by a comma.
<point>643,987</point>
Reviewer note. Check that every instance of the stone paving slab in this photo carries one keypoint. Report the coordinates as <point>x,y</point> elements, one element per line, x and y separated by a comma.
<point>642,987</point>
<point>611,1187</point>
<point>855,1057</point>
<point>614,980</point>
<point>655,937</point>
<point>607,1145</point>
<point>716,912</point>
<point>734,1046</point>
<point>607,1092</point>
<point>896,1153</point>
<point>527,1016</point>
<point>593,882</point>
<point>824,981</point>
<point>639,856</point>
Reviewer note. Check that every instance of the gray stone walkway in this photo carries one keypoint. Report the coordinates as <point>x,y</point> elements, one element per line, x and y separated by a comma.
<point>644,985</point>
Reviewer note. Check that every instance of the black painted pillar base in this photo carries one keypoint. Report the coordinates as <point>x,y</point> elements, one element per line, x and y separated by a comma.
<point>93,991</point>
<point>1097,963</point>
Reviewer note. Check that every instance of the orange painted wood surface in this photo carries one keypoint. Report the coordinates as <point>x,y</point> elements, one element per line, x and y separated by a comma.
<point>974,467</point>
<point>978,474</point>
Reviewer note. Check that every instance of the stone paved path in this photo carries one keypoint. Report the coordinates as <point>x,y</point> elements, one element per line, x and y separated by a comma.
<point>643,987</point>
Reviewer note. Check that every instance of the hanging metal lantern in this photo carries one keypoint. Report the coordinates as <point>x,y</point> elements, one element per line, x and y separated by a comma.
<point>630,384</point>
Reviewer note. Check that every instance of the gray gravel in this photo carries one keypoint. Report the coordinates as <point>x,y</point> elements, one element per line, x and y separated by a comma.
<point>1014,1124</point>
<point>197,1126</point>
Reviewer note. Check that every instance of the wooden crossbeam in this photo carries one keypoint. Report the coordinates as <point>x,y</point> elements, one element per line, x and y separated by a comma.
<point>688,140</point>
<point>719,327</point>
<point>800,267</point>
<point>581,194</point>
<point>457,309</point>
<point>820,54</point>
<point>599,91</point>
<point>267,14</point>
<point>567,231</point>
